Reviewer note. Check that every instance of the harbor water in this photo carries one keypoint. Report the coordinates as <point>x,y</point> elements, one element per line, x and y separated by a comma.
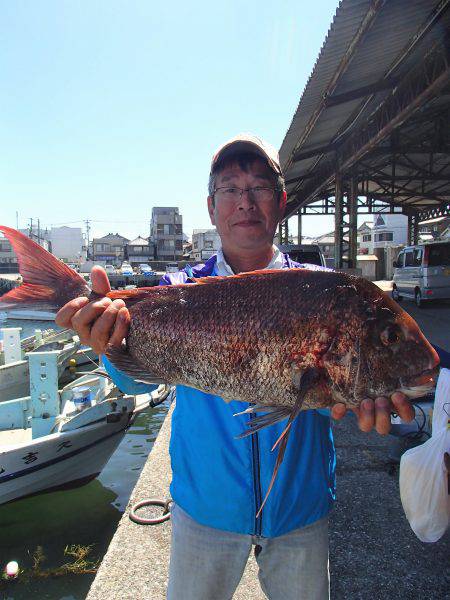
<point>86,516</point>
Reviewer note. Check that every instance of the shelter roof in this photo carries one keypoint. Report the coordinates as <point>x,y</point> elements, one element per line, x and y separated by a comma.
<point>377,105</point>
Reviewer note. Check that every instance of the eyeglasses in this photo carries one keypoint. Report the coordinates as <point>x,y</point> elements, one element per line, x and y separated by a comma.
<point>234,194</point>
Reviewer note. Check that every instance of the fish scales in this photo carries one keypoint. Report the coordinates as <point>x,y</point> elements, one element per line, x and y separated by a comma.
<point>252,337</point>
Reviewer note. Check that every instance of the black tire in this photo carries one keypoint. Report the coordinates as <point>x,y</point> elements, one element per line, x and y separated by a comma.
<point>418,299</point>
<point>395,295</point>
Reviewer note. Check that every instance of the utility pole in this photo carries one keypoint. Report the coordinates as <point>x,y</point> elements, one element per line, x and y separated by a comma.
<point>17,219</point>
<point>88,228</point>
<point>31,228</point>
<point>39,231</point>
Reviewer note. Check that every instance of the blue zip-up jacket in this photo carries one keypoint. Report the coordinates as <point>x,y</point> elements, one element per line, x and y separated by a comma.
<point>220,481</point>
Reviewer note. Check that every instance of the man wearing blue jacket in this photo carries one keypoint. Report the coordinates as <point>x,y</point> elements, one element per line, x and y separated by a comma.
<point>219,482</point>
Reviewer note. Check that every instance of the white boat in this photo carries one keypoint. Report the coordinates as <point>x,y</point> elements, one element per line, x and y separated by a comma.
<point>14,372</point>
<point>26,344</point>
<point>47,443</point>
<point>28,314</point>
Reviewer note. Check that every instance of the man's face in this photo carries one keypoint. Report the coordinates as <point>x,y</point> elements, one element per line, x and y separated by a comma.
<point>246,224</point>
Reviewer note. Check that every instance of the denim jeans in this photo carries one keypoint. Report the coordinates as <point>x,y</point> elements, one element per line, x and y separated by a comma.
<point>207,563</point>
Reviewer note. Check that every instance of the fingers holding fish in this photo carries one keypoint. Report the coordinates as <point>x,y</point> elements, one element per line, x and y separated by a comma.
<point>402,406</point>
<point>382,415</point>
<point>121,327</point>
<point>366,415</point>
<point>377,413</point>
<point>100,281</point>
<point>94,322</point>
<point>65,315</point>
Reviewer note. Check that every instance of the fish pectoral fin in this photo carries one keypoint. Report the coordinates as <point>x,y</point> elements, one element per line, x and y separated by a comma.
<point>303,380</point>
<point>120,358</point>
<point>274,414</point>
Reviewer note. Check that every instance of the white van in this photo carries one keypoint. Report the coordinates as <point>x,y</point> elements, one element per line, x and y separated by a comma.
<point>422,272</point>
<point>305,253</point>
<point>172,267</point>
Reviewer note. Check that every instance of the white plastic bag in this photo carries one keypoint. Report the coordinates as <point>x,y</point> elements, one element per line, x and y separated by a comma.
<point>423,475</point>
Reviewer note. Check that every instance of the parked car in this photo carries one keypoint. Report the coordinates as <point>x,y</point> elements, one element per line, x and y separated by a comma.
<point>305,253</point>
<point>126,269</point>
<point>147,270</point>
<point>422,273</point>
<point>110,269</point>
<point>172,267</point>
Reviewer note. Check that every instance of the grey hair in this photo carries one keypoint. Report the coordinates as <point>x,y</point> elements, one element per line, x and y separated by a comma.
<point>244,160</point>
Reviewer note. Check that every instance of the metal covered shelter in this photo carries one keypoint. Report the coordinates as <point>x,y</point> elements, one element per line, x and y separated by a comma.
<point>372,128</point>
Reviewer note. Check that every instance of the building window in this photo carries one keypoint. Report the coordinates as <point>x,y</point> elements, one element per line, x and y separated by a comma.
<point>367,237</point>
<point>386,236</point>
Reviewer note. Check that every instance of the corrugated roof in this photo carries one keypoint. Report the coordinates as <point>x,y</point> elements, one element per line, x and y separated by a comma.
<point>369,42</point>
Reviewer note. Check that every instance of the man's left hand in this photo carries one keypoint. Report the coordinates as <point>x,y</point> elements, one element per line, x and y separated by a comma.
<point>377,413</point>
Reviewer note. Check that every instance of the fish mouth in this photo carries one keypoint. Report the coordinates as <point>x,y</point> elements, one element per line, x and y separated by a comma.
<point>420,384</point>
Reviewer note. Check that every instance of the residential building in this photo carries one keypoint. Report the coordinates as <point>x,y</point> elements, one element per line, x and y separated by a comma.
<point>68,244</point>
<point>8,260</point>
<point>205,242</point>
<point>365,238</point>
<point>389,229</point>
<point>167,233</point>
<point>109,248</point>
<point>139,251</point>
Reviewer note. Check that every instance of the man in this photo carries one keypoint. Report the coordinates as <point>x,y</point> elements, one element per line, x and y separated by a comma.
<point>218,481</point>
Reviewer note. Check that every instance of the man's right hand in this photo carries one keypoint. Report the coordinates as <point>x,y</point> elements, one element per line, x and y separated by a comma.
<point>97,323</point>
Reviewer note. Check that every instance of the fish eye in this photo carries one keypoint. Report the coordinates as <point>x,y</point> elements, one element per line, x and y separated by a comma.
<point>390,335</point>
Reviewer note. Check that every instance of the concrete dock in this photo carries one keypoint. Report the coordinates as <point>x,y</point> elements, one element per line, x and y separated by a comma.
<point>373,552</point>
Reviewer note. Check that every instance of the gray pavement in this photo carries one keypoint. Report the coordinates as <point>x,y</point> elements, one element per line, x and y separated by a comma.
<point>373,552</point>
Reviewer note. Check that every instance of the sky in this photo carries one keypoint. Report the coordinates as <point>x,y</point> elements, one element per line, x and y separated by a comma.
<point>110,107</point>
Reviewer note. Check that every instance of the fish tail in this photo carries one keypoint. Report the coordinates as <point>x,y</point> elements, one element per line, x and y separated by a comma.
<point>47,282</point>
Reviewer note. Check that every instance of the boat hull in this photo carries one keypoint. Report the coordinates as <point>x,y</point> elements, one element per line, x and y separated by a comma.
<point>59,459</point>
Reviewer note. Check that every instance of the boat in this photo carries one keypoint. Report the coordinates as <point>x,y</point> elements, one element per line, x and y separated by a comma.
<point>27,314</point>
<point>48,440</point>
<point>14,370</point>
<point>26,344</point>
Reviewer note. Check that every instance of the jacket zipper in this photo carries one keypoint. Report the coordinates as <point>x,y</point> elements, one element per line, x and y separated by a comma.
<point>256,479</point>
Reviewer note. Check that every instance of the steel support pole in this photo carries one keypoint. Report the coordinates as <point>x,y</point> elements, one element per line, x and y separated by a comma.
<point>353,222</point>
<point>283,232</point>
<point>338,221</point>
<point>413,228</point>
<point>299,227</point>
